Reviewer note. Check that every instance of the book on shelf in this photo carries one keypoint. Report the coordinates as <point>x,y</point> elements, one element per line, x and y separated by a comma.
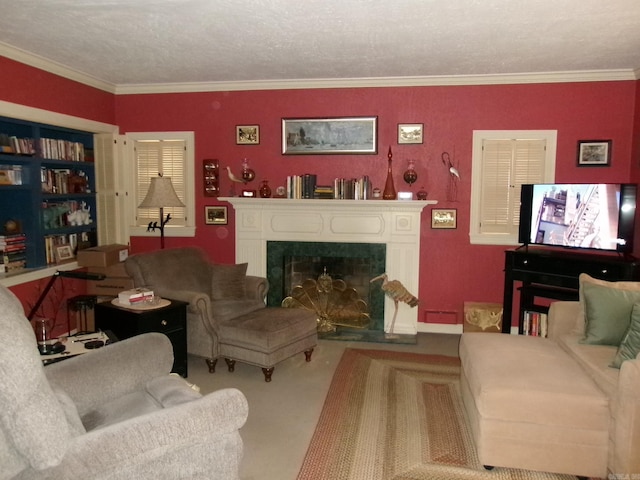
<point>306,187</point>
<point>352,188</point>
<point>534,323</point>
<point>323,192</point>
<point>13,267</point>
<point>13,247</point>
<point>51,242</point>
<point>13,252</point>
<point>11,175</point>
<point>10,257</point>
<point>13,238</point>
<point>301,186</point>
<point>18,146</point>
<point>57,149</point>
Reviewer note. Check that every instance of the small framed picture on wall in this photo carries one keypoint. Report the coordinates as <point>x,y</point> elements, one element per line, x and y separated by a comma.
<point>215,215</point>
<point>445,218</point>
<point>247,134</point>
<point>410,133</point>
<point>594,153</point>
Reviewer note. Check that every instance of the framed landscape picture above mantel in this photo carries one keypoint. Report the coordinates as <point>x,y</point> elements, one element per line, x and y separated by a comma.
<point>330,136</point>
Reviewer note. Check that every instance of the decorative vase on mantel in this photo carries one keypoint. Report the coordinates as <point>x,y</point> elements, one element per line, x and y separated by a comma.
<point>389,192</point>
<point>265,189</point>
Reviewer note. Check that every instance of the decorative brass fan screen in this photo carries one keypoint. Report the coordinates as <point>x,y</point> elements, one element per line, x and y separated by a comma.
<point>335,304</point>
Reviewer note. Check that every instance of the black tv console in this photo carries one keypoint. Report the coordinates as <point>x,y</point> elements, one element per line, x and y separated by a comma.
<point>553,273</point>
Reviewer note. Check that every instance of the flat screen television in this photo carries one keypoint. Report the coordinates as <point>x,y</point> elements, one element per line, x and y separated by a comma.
<point>596,216</point>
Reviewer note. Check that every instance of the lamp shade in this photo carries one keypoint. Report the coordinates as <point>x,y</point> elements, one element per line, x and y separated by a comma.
<point>161,194</point>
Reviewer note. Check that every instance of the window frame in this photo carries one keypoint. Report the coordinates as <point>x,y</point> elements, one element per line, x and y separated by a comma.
<point>187,230</point>
<point>548,175</point>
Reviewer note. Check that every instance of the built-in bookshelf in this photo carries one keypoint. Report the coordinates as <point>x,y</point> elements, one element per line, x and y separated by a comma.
<point>47,190</point>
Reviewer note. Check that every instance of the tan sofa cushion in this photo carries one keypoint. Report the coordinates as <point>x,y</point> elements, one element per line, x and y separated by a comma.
<point>595,361</point>
<point>550,388</point>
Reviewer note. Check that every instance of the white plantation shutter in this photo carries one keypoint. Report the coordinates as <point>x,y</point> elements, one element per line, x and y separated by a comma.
<point>501,164</point>
<point>167,157</point>
<point>507,164</point>
<point>528,167</point>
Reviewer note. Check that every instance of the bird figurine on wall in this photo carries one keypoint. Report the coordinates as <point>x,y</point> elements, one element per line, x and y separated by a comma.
<point>398,293</point>
<point>447,161</point>
<point>232,177</point>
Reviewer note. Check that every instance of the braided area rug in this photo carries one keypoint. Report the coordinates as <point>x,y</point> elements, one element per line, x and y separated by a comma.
<point>397,416</point>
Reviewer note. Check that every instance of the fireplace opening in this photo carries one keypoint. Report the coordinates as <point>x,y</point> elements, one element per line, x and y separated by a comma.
<point>291,263</point>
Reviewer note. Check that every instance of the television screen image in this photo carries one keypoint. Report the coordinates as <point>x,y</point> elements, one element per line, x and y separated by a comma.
<point>577,216</point>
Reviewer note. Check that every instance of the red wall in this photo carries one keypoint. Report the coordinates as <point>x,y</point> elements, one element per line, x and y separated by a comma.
<point>32,87</point>
<point>452,270</point>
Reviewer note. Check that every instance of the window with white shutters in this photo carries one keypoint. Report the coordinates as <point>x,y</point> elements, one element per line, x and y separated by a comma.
<point>166,157</point>
<point>172,155</point>
<point>502,162</point>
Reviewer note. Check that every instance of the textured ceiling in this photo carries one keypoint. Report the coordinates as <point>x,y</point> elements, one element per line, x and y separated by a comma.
<point>178,41</point>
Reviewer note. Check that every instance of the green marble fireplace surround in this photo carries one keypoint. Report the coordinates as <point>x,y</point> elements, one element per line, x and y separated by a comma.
<point>280,254</point>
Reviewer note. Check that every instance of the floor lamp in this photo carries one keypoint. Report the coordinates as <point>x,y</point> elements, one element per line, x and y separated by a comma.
<point>161,194</point>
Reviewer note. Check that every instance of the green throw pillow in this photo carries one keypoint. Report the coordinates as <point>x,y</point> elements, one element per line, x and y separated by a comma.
<point>630,346</point>
<point>228,281</point>
<point>607,313</point>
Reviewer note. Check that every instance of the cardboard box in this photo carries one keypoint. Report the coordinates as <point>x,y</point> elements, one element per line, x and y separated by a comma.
<point>115,270</point>
<point>102,256</point>
<point>110,286</point>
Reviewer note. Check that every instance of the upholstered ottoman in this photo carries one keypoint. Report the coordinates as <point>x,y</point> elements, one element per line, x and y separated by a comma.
<point>530,406</point>
<point>267,336</point>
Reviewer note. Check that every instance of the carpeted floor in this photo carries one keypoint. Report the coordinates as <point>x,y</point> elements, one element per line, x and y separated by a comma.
<point>397,415</point>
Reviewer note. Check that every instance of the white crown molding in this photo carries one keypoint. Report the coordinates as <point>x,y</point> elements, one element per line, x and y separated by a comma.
<point>53,67</point>
<point>455,80</point>
<point>318,83</point>
<point>32,114</point>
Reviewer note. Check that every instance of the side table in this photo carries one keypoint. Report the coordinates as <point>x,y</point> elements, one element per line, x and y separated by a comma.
<point>126,322</point>
<point>75,345</point>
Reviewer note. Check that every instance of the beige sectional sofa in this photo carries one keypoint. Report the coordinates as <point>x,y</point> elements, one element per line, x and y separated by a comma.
<point>621,386</point>
<point>557,404</point>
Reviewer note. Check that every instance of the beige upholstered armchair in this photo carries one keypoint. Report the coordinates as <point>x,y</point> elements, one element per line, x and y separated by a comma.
<point>227,316</point>
<point>114,413</point>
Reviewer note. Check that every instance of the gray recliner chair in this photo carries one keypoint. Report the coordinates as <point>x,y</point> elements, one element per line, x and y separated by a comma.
<point>113,413</point>
<point>227,316</point>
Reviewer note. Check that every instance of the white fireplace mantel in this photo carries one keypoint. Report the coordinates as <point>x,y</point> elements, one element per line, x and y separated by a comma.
<point>395,223</point>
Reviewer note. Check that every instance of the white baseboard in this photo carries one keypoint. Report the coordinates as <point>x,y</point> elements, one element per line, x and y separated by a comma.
<point>439,328</point>
<point>448,328</point>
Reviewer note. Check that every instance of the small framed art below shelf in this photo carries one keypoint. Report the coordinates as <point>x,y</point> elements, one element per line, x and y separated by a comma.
<point>215,215</point>
<point>444,218</point>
